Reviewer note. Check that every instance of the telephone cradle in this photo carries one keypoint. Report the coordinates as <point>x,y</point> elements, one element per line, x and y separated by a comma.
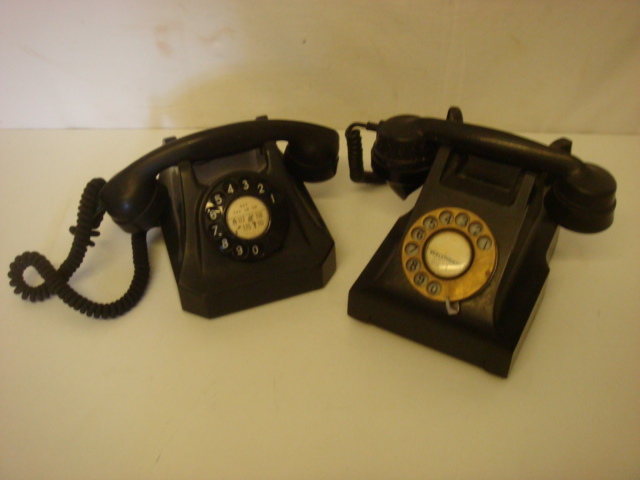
<point>464,271</point>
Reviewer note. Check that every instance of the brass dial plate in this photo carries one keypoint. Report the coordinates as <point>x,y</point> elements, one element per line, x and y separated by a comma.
<point>449,253</point>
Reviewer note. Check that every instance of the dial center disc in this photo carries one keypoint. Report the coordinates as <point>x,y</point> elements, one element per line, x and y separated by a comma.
<point>248,217</point>
<point>448,254</point>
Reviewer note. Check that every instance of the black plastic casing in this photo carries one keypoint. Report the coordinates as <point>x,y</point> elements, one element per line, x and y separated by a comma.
<point>212,284</point>
<point>491,324</point>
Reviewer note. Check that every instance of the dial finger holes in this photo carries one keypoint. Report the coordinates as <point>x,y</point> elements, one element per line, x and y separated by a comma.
<point>449,254</point>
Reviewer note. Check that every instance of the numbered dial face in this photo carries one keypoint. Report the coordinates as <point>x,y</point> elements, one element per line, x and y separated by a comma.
<point>449,253</point>
<point>245,217</point>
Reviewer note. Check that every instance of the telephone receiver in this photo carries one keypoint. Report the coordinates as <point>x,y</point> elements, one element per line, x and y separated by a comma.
<point>464,270</point>
<point>134,197</point>
<point>240,227</point>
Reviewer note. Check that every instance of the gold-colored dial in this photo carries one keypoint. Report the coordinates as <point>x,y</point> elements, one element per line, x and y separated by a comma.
<point>449,253</point>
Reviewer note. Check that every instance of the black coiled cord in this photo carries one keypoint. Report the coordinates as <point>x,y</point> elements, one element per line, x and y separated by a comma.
<point>355,155</point>
<point>56,281</point>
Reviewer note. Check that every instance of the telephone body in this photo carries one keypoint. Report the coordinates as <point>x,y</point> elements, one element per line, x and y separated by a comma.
<point>464,271</point>
<point>243,231</point>
<point>239,224</point>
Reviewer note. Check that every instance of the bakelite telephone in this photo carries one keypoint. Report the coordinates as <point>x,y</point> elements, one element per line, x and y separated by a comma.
<point>464,270</point>
<point>239,225</point>
<point>461,272</point>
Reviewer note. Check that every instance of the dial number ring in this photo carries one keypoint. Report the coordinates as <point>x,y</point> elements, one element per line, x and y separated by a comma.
<point>245,217</point>
<point>472,262</point>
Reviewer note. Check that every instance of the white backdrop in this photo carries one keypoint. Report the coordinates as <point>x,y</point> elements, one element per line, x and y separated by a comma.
<point>298,389</point>
<point>555,66</point>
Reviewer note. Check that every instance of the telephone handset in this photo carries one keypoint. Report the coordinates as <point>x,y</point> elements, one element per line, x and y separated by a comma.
<point>464,270</point>
<point>239,225</point>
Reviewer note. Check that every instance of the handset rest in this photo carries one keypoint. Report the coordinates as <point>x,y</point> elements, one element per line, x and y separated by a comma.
<point>582,195</point>
<point>135,200</point>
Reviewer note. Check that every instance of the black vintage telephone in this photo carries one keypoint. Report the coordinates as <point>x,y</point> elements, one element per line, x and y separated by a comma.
<point>463,271</point>
<point>240,227</point>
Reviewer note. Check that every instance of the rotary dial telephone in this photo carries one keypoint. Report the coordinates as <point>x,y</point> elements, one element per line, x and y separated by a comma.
<point>239,225</point>
<point>464,270</point>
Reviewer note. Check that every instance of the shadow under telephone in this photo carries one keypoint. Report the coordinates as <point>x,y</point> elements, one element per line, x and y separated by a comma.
<point>461,272</point>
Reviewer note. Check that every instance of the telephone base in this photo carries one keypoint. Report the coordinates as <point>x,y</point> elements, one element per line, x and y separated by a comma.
<point>216,276</point>
<point>380,297</point>
<point>215,303</point>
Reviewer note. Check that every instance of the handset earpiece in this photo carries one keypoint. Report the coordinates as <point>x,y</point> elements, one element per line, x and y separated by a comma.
<point>313,161</point>
<point>584,200</point>
<point>135,200</point>
<point>400,156</point>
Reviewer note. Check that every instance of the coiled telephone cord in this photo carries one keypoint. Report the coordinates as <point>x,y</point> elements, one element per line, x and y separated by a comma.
<point>355,155</point>
<point>56,281</point>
